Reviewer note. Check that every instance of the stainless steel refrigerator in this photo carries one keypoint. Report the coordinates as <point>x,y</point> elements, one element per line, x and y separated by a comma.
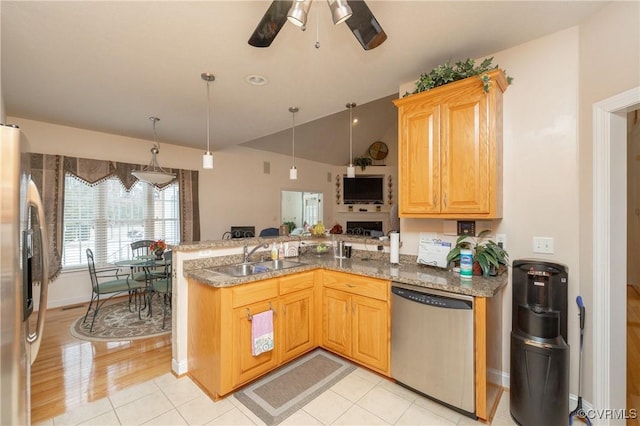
<point>22,233</point>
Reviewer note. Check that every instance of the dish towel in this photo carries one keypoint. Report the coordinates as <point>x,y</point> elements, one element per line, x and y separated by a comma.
<point>262,332</point>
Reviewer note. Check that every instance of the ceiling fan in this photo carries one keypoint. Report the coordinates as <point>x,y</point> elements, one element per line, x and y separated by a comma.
<point>355,13</point>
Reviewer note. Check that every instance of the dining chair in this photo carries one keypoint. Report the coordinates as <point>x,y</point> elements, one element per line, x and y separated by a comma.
<point>270,232</point>
<point>162,287</point>
<point>141,248</point>
<point>108,282</point>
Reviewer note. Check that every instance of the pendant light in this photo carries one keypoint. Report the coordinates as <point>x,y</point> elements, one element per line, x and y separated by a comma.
<point>153,173</point>
<point>207,158</point>
<point>351,170</point>
<point>293,172</point>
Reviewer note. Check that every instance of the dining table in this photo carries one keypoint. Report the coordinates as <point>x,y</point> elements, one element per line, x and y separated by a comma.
<point>153,268</point>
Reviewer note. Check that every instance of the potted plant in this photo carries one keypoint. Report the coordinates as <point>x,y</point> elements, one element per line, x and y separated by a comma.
<point>291,225</point>
<point>488,257</point>
<point>363,162</point>
<point>158,247</point>
<point>447,73</point>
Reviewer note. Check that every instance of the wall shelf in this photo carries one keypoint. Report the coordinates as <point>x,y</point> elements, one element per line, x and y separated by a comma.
<point>363,208</point>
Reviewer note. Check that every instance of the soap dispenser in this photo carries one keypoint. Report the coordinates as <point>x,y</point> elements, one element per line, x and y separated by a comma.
<point>274,252</point>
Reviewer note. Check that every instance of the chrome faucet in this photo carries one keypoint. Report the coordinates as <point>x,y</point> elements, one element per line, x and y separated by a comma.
<point>246,253</point>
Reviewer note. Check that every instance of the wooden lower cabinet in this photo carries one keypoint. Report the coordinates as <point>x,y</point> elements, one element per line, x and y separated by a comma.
<point>336,321</point>
<point>219,341</point>
<point>297,315</point>
<point>354,325</point>
<point>245,366</point>
<point>488,354</point>
<point>370,337</point>
<point>344,313</point>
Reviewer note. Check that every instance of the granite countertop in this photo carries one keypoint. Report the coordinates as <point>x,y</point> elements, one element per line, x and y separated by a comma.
<point>364,263</point>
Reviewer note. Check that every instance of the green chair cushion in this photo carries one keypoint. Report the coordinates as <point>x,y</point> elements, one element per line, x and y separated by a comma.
<point>113,286</point>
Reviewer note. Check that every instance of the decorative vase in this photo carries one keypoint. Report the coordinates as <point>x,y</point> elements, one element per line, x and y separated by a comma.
<point>159,253</point>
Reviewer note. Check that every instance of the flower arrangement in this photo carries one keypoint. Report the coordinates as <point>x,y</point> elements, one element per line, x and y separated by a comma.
<point>158,245</point>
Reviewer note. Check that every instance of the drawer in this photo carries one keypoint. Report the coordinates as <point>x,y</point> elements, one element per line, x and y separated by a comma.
<point>357,284</point>
<point>245,294</point>
<point>296,282</point>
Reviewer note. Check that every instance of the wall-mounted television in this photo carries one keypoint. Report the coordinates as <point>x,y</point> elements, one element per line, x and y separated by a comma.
<point>363,189</point>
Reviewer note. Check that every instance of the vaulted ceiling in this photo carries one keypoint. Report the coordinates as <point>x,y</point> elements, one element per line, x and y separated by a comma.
<point>108,66</point>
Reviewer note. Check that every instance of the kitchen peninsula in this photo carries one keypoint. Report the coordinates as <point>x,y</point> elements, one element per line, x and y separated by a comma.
<point>342,305</point>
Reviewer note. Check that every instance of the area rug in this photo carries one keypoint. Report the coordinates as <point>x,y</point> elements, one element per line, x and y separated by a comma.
<point>287,389</point>
<point>116,322</point>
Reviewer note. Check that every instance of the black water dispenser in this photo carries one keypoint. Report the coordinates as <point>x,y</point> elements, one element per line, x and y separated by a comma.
<point>539,375</point>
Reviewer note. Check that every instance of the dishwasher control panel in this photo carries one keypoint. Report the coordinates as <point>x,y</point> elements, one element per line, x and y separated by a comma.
<point>431,299</point>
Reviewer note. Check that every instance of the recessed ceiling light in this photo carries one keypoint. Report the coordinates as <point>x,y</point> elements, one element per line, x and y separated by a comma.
<point>256,80</point>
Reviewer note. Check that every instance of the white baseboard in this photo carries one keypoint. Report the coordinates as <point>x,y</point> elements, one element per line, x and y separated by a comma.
<point>504,378</point>
<point>179,368</point>
<point>66,302</point>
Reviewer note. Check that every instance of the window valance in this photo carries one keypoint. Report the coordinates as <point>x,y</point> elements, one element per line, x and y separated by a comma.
<point>48,172</point>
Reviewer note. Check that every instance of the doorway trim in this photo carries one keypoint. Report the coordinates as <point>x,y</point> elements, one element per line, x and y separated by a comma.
<point>609,260</point>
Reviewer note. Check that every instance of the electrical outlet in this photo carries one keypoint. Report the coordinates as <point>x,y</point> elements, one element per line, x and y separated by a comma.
<point>543,245</point>
<point>501,240</point>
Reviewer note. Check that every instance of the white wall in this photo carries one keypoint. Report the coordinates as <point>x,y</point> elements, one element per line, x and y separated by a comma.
<point>235,192</point>
<point>2,113</point>
<point>609,64</point>
<point>548,173</point>
<point>540,170</point>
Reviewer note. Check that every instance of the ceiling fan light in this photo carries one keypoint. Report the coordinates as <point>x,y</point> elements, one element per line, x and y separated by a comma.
<point>207,160</point>
<point>297,15</point>
<point>340,11</point>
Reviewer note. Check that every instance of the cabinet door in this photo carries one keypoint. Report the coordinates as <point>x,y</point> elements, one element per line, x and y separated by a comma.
<point>245,366</point>
<point>465,154</point>
<point>371,334</point>
<point>296,324</point>
<point>419,158</point>
<point>336,321</point>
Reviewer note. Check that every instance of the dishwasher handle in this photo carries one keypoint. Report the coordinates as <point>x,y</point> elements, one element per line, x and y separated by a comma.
<point>434,300</point>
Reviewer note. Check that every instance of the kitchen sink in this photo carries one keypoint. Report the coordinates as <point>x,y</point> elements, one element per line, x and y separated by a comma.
<point>239,270</point>
<point>246,269</point>
<point>278,264</point>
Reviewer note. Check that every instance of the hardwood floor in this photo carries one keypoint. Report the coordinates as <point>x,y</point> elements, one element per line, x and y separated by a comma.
<point>633,351</point>
<point>70,372</point>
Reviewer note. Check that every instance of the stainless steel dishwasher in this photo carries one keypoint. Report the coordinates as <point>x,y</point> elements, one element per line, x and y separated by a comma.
<point>432,345</point>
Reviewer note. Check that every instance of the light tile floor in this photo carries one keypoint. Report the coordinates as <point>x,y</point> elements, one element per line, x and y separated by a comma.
<point>361,398</point>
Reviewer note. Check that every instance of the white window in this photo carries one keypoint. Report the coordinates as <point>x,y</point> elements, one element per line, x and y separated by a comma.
<point>107,219</point>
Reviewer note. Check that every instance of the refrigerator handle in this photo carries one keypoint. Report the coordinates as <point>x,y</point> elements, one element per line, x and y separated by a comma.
<point>34,338</point>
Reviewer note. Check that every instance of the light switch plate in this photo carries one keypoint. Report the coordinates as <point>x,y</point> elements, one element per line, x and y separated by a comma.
<point>543,245</point>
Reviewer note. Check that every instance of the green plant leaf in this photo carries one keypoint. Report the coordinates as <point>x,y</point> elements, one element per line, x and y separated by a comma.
<point>453,255</point>
<point>447,73</point>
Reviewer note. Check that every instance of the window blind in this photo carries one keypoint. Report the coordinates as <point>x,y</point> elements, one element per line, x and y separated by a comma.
<point>107,218</point>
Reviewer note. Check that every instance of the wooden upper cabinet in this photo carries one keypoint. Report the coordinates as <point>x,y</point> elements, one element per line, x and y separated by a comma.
<point>450,150</point>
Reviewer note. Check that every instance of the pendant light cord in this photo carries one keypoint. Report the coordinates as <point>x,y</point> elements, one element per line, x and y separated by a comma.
<point>208,116</point>
<point>351,106</point>
<point>350,135</point>
<point>293,140</point>
<point>154,120</point>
